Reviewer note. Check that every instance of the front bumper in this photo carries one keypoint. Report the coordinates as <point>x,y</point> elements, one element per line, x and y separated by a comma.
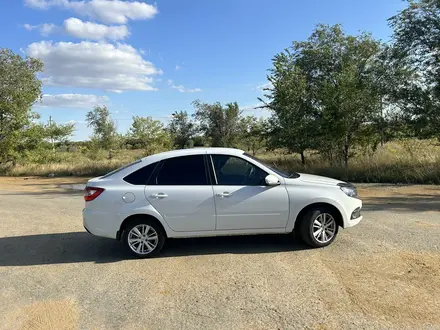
<point>353,212</point>
<point>353,222</point>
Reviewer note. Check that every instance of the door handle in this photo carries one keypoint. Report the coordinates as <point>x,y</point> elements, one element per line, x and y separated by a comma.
<point>224,194</point>
<point>159,195</point>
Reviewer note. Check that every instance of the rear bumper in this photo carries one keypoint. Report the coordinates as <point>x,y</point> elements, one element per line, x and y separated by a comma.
<point>100,223</point>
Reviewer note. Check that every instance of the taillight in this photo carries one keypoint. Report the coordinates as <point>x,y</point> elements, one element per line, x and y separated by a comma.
<point>90,193</point>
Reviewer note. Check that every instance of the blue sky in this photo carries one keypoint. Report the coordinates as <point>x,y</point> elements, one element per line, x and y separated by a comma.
<point>153,58</point>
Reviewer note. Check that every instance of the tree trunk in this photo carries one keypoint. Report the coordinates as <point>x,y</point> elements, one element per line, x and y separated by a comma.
<point>303,158</point>
<point>346,149</point>
<point>382,137</point>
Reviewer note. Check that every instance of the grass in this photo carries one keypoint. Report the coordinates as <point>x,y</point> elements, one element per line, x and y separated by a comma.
<point>408,161</point>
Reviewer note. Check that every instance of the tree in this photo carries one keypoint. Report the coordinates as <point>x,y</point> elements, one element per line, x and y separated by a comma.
<point>181,128</point>
<point>253,133</point>
<point>417,45</point>
<point>148,134</point>
<point>104,128</point>
<point>294,121</point>
<point>58,132</point>
<point>219,124</point>
<point>326,93</point>
<point>19,90</point>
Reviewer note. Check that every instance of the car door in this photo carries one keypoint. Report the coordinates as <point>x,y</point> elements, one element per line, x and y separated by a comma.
<point>181,192</point>
<point>243,201</point>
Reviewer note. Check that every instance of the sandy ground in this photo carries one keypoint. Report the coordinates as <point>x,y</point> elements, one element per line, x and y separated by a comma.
<point>382,274</point>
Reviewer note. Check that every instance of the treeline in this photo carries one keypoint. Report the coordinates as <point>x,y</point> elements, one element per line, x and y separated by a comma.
<point>335,94</point>
<point>210,125</point>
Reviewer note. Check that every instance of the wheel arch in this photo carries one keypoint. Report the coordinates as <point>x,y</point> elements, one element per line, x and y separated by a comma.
<point>136,217</point>
<point>337,213</point>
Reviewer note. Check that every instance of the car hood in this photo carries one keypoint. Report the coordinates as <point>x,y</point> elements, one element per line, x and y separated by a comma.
<point>309,178</point>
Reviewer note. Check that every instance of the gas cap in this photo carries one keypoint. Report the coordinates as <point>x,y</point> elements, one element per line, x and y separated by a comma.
<point>129,197</point>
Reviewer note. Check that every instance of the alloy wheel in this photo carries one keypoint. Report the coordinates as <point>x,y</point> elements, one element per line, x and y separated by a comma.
<point>324,228</point>
<point>142,239</point>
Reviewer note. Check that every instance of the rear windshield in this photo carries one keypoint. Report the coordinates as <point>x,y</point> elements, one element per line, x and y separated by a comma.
<point>121,168</point>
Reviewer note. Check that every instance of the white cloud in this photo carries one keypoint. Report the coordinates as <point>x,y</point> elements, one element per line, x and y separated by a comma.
<point>182,89</point>
<point>94,65</point>
<point>80,101</point>
<point>83,30</point>
<point>264,86</point>
<point>45,29</point>
<point>41,4</point>
<point>256,110</point>
<point>75,122</point>
<point>251,107</point>
<point>177,67</point>
<point>107,11</point>
<point>93,31</point>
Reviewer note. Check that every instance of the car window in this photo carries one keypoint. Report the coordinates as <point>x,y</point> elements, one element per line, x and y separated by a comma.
<point>284,174</point>
<point>235,171</point>
<point>141,176</point>
<point>183,171</point>
<point>120,169</point>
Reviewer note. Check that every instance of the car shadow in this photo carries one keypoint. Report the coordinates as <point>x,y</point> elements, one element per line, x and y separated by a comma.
<point>77,247</point>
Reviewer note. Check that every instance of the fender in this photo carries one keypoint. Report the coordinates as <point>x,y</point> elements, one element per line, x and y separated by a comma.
<point>297,208</point>
<point>147,210</point>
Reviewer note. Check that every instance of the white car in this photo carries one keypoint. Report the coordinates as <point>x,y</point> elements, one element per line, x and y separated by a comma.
<point>214,192</point>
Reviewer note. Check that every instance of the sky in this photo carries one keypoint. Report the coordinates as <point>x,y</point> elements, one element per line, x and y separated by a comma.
<point>143,58</point>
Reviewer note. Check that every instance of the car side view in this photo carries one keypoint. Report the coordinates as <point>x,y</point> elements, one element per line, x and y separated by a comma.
<point>214,192</point>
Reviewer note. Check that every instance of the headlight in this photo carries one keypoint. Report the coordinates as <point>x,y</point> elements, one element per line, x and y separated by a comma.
<point>348,189</point>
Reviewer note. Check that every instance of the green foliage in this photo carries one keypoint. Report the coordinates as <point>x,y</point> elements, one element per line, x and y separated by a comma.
<point>181,128</point>
<point>294,122</point>
<point>219,124</point>
<point>59,132</point>
<point>199,141</point>
<point>253,133</point>
<point>104,128</point>
<point>326,93</point>
<point>417,46</point>
<point>19,90</point>
<point>148,134</point>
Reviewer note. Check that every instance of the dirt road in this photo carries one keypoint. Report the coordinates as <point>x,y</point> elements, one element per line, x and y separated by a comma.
<point>382,274</point>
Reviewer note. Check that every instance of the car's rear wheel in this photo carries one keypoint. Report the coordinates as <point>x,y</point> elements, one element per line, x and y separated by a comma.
<point>318,227</point>
<point>144,238</point>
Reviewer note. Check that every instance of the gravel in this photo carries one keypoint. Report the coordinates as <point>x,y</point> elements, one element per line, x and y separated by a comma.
<point>382,274</point>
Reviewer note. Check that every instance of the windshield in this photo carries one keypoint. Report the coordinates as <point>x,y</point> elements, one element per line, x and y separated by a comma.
<point>283,173</point>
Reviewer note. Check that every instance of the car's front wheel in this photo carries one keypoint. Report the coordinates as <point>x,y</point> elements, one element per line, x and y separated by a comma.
<point>144,238</point>
<point>318,227</point>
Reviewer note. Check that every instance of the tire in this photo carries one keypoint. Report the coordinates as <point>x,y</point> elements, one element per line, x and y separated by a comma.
<point>146,230</point>
<point>312,233</point>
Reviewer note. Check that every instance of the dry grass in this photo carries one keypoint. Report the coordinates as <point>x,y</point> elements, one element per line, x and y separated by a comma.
<point>408,161</point>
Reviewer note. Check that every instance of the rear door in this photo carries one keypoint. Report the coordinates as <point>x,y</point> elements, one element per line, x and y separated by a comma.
<point>181,192</point>
<point>243,200</point>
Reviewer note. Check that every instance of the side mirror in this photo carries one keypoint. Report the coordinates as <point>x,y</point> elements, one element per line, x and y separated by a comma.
<point>272,180</point>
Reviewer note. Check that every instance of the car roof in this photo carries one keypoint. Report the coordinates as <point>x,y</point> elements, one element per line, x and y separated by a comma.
<point>192,151</point>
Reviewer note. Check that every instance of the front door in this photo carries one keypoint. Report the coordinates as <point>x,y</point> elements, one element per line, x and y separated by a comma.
<point>243,201</point>
<point>180,191</point>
